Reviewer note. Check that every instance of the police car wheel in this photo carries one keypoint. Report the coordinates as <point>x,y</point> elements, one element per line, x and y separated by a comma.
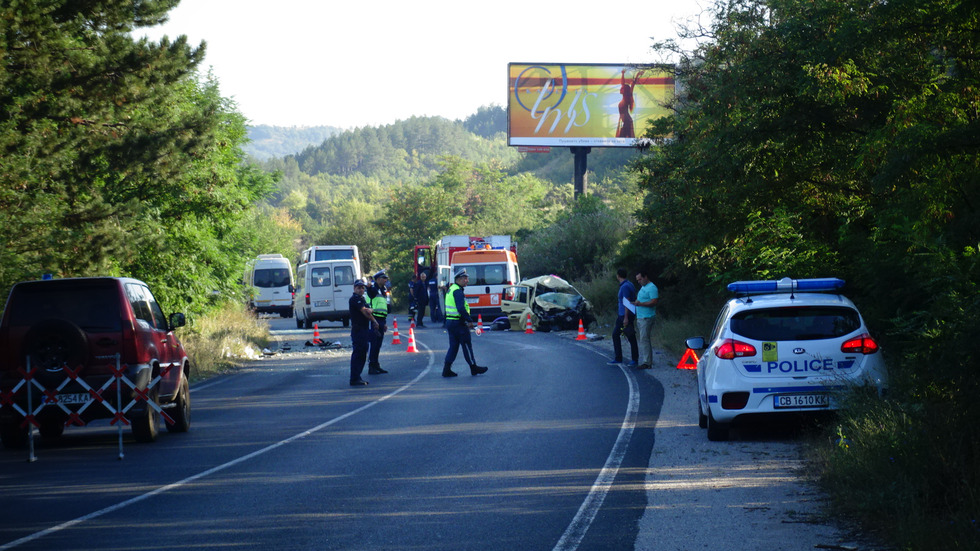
<point>717,432</point>
<point>702,418</point>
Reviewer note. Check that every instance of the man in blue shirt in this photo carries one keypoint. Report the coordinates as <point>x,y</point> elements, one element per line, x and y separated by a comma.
<point>625,320</point>
<point>646,311</point>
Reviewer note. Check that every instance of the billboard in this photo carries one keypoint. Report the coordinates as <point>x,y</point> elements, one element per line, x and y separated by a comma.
<point>588,105</point>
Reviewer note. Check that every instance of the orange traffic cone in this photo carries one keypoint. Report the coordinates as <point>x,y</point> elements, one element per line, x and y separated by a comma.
<point>529,330</point>
<point>411,340</point>
<point>394,334</point>
<point>581,332</point>
<point>316,334</point>
<point>479,324</point>
<point>412,325</point>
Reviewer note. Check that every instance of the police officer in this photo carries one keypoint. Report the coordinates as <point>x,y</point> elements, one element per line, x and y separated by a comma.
<point>362,326</point>
<point>435,309</point>
<point>378,300</point>
<point>421,293</point>
<point>458,325</point>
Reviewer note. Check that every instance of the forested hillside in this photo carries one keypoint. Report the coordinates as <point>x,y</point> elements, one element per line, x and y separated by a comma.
<point>389,188</point>
<point>266,142</point>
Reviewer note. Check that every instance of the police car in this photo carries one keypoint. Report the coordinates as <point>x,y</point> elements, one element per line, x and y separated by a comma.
<point>782,346</point>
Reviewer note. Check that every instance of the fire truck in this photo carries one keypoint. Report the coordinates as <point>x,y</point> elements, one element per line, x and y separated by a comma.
<point>491,263</point>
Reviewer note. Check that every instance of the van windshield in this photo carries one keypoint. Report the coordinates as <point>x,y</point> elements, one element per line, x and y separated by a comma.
<point>320,277</point>
<point>343,275</point>
<point>334,254</point>
<point>487,274</point>
<point>267,278</point>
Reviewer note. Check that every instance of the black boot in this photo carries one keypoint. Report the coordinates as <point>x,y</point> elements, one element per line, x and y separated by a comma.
<point>375,369</point>
<point>477,369</point>
<point>447,371</point>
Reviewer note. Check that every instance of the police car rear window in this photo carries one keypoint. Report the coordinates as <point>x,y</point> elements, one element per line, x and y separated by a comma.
<point>798,323</point>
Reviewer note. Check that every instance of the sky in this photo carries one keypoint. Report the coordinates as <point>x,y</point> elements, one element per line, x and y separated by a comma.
<point>351,63</point>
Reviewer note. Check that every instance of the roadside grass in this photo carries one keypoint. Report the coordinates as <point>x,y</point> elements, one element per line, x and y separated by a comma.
<point>218,341</point>
<point>904,471</point>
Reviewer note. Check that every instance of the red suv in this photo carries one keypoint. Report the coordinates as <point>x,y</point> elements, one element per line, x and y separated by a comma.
<point>67,336</point>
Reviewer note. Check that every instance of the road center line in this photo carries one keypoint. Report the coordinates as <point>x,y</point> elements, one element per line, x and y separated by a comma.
<point>576,530</point>
<point>219,468</point>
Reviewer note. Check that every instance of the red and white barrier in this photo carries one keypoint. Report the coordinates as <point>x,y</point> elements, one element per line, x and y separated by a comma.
<point>50,398</point>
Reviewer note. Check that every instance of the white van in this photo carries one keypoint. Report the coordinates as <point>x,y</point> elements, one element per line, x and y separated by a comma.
<point>325,287</point>
<point>331,252</point>
<point>270,277</point>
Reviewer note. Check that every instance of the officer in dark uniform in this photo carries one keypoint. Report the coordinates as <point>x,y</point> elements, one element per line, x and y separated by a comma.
<point>421,293</point>
<point>362,326</point>
<point>378,300</point>
<point>435,308</point>
<point>458,325</point>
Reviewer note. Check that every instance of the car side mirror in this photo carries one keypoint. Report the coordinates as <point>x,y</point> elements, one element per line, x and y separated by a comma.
<point>177,319</point>
<point>695,343</point>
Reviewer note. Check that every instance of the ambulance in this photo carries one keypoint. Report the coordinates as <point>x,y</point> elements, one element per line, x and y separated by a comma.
<point>491,272</point>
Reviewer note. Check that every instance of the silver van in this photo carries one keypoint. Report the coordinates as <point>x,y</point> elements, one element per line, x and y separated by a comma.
<point>323,291</point>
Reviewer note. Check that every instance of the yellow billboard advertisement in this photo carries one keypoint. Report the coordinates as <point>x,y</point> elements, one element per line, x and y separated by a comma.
<point>598,105</point>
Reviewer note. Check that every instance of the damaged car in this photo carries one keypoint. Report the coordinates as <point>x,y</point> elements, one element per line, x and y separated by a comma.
<point>552,303</point>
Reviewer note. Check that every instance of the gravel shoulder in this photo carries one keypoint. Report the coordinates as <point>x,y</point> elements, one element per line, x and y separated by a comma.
<point>746,494</point>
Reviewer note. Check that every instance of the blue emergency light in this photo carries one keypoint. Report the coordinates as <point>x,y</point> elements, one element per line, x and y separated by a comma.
<point>786,285</point>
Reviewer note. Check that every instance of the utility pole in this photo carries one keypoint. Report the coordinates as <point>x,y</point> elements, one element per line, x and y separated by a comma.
<point>581,167</point>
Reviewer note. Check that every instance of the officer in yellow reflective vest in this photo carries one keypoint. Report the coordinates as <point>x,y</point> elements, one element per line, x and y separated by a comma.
<point>378,296</point>
<point>458,325</point>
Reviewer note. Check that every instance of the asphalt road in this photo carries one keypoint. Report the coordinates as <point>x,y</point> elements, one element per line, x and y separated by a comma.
<point>548,450</point>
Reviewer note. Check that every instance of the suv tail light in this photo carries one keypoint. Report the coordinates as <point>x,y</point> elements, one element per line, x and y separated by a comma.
<point>862,344</point>
<point>731,349</point>
<point>130,348</point>
<point>307,299</point>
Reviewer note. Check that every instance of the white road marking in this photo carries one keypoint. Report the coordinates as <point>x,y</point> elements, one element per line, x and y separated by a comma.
<point>569,541</point>
<point>576,530</point>
<point>219,468</point>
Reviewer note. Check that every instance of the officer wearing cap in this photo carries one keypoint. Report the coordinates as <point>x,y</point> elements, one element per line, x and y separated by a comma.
<point>362,326</point>
<point>458,325</point>
<point>378,297</point>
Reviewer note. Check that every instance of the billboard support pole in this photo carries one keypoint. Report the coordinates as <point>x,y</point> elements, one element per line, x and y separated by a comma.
<point>581,167</point>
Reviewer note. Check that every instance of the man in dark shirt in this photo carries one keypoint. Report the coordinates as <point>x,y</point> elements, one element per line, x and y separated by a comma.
<point>362,326</point>
<point>421,294</point>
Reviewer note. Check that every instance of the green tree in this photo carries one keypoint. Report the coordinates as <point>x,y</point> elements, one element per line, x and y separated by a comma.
<point>839,137</point>
<point>116,159</point>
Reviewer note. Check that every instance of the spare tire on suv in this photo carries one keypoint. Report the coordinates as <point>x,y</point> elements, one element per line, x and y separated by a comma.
<point>52,344</point>
<point>69,336</point>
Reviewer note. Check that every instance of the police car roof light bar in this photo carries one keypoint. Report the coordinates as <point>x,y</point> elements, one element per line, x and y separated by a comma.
<point>786,285</point>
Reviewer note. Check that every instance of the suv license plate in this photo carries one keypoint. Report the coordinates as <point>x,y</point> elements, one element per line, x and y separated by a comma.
<point>82,398</point>
<point>801,401</point>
